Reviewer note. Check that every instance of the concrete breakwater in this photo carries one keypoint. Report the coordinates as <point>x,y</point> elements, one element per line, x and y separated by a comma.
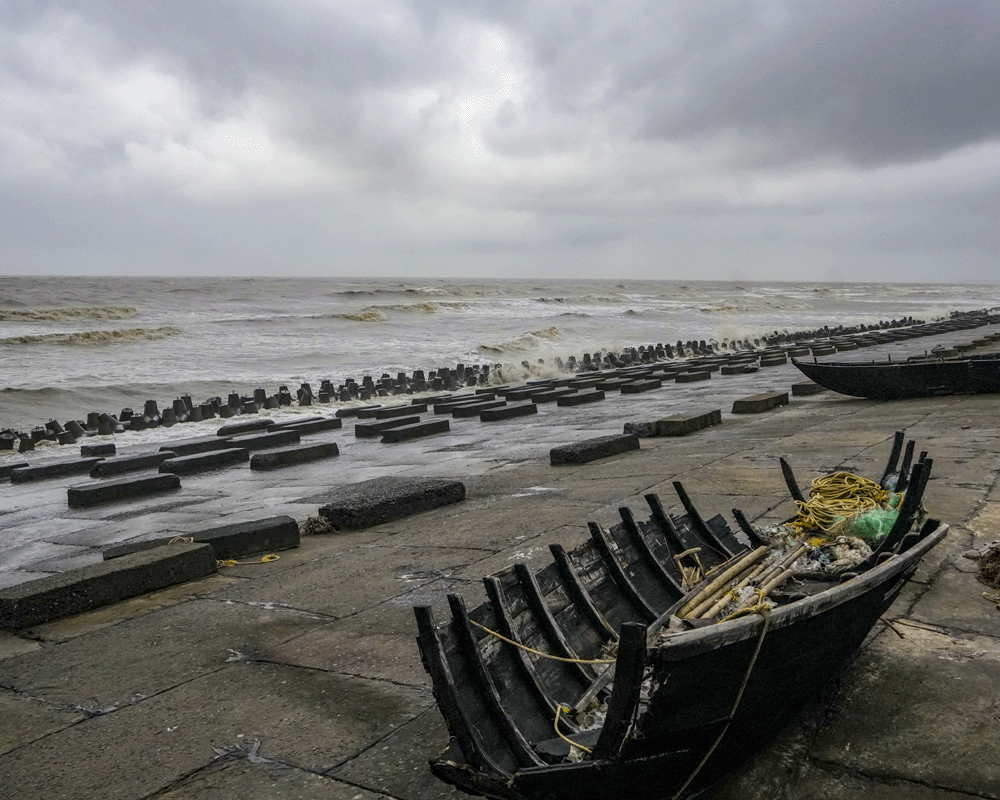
<point>732,355</point>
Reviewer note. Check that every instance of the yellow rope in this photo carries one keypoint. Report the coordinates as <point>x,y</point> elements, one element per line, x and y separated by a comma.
<point>561,709</point>
<point>840,494</point>
<point>182,539</point>
<point>232,562</point>
<point>503,638</point>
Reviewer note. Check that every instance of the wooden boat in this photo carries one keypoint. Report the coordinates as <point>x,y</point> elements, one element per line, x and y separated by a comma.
<point>897,380</point>
<point>684,700</point>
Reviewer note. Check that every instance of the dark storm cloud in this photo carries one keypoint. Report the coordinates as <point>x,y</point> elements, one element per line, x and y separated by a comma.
<point>401,129</point>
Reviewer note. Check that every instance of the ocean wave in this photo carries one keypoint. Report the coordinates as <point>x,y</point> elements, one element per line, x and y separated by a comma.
<point>365,315</point>
<point>56,314</point>
<point>94,337</point>
<point>526,341</point>
<point>583,298</point>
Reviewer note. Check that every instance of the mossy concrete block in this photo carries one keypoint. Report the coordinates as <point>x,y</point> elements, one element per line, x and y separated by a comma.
<point>262,441</point>
<point>759,403</point>
<point>369,429</point>
<point>683,424</point>
<point>239,428</point>
<point>185,465</point>
<point>643,430</point>
<point>415,431</point>
<point>91,494</point>
<point>593,449</point>
<point>374,502</point>
<point>579,398</point>
<point>806,388</point>
<point>637,387</point>
<point>235,540</point>
<point>123,464</point>
<point>26,604</point>
<point>508,412</point>
<point>200,444</point>
<point>56,469</point>
<point>293,455</point>
<point>91,450</point>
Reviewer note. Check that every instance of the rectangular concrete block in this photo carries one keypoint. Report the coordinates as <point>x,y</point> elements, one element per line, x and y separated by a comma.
<point>369,429</point>
<point>310,426</point>
<point>262,441</point>
<point>96,585</point>
<point>448,405</point>
<point>758,403</point>
<point>123,464</point>
<point>186,465</point>
<point>415,431</point>
<point>519,393</point>
<point>739,369</point>
<point>610,384</point>
<point>475,409</point>
<point>551,395</point>
<point>200,444</point>
<point>399,411</point>
<point>236,540</point>
<point>644,430</point>
<point>593,449</point>
<point>56,469</point>
<point>584,383</point>
<point>353,411</point>
<point>691,377</point>
<point>91,494</point>
<point>6,469</point>
<point>637,387</point>
<point>806,388</point>
<point>249,426</point>
<point>508,412</point>
<point>293,455</point>
<point>580,398</point>
<point>683,424</point>
<point>374,502</point>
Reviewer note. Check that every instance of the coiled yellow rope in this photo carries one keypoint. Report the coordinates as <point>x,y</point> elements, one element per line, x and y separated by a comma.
<point>840,494</point>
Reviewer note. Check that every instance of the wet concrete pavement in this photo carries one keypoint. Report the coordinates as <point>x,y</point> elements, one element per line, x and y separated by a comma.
<point>300,677</point>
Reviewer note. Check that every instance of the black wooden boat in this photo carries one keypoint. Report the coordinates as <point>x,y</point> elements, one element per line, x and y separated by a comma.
<point>683,701</point>
<point>898,380</point>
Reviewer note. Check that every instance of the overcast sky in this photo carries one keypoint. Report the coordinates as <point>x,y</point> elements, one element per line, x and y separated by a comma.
<point>832,140</point>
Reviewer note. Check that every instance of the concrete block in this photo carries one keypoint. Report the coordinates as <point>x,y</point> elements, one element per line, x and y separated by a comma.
<point>201,444</point>
<point>415,430</point>
<point>806,388</point>
<point>91,494</point>
<point>447,406</point>
<point>91,450</point>
<point>551,395</point>
<point>508,412</point>
<point>374,502</point>
<point>583,383</point>
<point>519,393</point>
<point>54,469</point>
<point>370,429</point>
<point>610,384</point>
<point>475,409</point>
<point>579,398</point>
<point>773,361</point>
<point>262,441</point>
<point>683,424</point>
<point>310,426</point>
<point>636,387</point>
<point>352,411</point>
<point>293,455</point>
<point>238,428</point>
<point>35,602</point>
<point>236,540</point>
<point>691,377</point>
<point>739,369</point>
<point>758,403</point>
<point>199,462</point>
<point>643,430</point>
<point>6,469</point>
<point>122,464</point>
<point>593,449</point>
<point>398,411</point>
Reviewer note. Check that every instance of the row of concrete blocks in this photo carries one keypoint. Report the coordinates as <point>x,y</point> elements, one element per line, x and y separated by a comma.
<point>137,568</point>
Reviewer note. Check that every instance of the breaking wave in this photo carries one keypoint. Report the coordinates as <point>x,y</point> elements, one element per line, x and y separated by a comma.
<point>526,341</point>
<point>56,314</point>
<point>95,337</point>
<point>366,315</point>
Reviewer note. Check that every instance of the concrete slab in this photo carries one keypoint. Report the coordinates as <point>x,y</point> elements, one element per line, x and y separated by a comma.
<point>362,505</point>
<point>27,719</point>
<point>262,779</point>
<point>291,456</point>
<point>593,449</point>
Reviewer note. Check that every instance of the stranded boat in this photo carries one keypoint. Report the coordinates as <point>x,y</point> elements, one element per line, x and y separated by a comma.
<point>898,380</point>
<point>621,669</point>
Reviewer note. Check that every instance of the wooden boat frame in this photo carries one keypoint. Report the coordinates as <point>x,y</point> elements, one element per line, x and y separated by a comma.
<point>683,708</point>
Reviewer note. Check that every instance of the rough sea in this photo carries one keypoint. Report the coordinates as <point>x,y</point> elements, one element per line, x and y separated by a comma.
<point>70,345</point>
